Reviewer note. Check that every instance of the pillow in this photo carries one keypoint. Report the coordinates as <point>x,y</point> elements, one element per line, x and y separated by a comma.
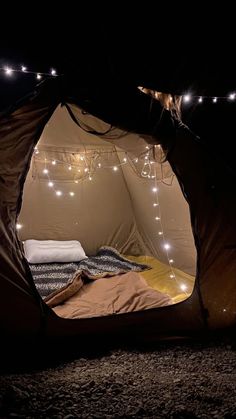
<point>49,251</point>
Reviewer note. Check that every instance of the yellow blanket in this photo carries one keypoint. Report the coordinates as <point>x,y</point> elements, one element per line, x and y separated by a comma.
<point>178,288</point>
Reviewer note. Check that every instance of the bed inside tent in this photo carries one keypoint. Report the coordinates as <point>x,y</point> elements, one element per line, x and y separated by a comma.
<point>116,197</point>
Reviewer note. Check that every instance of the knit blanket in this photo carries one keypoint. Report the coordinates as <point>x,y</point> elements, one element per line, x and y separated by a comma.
<point>108,262</point>
<point>56,282</point>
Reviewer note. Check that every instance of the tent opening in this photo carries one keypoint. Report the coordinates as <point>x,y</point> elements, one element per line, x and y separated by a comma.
<point>117,197</point>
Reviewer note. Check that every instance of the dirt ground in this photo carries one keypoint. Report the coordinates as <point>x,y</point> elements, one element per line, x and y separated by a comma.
<point>165,380</point>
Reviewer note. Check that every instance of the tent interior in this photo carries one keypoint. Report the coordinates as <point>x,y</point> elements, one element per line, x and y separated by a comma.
<point>101,186</point>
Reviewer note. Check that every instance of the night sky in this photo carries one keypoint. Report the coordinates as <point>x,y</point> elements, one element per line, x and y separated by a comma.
<point>196,57</point>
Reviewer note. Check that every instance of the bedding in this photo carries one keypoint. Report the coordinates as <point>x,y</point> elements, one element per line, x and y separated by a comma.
<point>57,282</point>
<point>52,278</point>
<point>118,294</point>
<point>49,251</point>
<point>158,277</point>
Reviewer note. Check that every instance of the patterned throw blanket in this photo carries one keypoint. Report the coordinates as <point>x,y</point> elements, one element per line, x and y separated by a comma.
<point>56,282</point>
<point>108,262</point>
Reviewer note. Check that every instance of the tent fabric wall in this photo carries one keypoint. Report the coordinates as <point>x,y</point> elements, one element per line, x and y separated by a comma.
<point>212,304</point>
<point>212,205</point>
<point>115,208</point>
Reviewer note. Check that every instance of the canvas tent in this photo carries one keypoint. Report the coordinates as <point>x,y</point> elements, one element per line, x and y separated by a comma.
<point>210,306</point>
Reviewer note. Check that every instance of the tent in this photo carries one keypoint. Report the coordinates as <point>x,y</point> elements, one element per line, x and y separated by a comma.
<point>62,122</point>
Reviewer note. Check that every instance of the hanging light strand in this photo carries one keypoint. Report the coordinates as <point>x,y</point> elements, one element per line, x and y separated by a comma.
<point>8,70</point>
<point>189,97</point>
<point>165,245</point>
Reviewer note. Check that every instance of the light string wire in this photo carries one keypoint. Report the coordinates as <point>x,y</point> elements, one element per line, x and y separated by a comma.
<point>161,234</point>
<point>8,70</point>
<point>88,161</point>
<point>187,97</point>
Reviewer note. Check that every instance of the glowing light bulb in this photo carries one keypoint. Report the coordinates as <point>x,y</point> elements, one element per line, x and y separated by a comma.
<point>147,147</point>
<point>115,168</point>
<point>183,287</point>
<point>160,233</point>
<point>53,72</point>
<point>23,68</point>
<point>58,193</point>
<point>18,226</point>
<point>155,204</point>
<point>155,189</point>
<point>125,159</point>
<point>136,160</point>
<point>54,162</point>
<point>232,96</point>
<point>171,261</point>
<point>45,171</point>
<point>71,193</point>
<point>8,71</point>
<point>86,169</point>
<point>38,77</point>
<point>90,178</point>
<point>172,276</point>
<point>187,98</point>
<point>157,218</point>
<point>166,246</point>
<point>69,168</point>
<point>50,184</point>
<point>200,99</point>
<point>214,99</point>
<point>99,165</point>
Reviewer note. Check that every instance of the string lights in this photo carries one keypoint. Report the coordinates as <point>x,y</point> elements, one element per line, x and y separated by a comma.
<point>187,97</point>
<point>79,166</point>
<point>9,71</point>
<point>166,246</point>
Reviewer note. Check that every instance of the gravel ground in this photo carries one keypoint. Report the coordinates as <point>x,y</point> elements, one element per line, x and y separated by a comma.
<point>165,380</point>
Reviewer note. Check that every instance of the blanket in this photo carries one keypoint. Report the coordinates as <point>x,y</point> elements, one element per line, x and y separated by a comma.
<point>57,282</point>
<point>109,262</point>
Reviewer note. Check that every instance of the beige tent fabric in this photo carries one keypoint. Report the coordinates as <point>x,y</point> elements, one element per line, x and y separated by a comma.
<point>114,208</point>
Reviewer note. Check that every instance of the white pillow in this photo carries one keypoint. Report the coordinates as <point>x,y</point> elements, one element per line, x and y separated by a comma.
<point>48,251</point>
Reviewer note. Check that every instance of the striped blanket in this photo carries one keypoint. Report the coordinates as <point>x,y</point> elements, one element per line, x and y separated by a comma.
<point>53,278</point>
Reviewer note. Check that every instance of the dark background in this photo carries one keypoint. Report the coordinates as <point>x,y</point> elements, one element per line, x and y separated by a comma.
<point>168,51</point>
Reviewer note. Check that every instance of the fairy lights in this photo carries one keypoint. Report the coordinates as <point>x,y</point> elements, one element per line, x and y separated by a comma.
<point>9,71</point>
<point>200,99</point>
<point>164,243</point>
<point>187,97</point>
<point>190,97</point>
